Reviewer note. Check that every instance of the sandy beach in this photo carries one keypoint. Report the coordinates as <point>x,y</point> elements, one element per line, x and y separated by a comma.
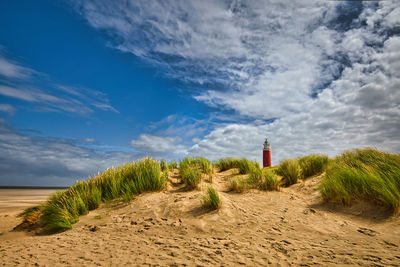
<point>169,228</point>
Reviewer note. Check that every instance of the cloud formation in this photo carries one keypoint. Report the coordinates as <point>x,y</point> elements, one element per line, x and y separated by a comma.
<point>7,108</point>
<point>312,76</point>
<point>34,160</point>
<point>21,83</point>
<point>160,144</point>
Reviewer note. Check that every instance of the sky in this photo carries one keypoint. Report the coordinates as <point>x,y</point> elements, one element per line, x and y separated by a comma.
<point>86,85</point>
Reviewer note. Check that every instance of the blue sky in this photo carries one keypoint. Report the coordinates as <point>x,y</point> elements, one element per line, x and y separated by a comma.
<point>85,85</point>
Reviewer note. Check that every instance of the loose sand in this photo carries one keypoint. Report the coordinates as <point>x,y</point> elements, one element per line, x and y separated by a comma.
<point>290,227</point>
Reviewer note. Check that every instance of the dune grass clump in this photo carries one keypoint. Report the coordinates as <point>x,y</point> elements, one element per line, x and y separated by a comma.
<point>313,165</point>
<point>239,184</point>
<point>211,199</point>
<point>192,169</point>
<point>63,208</point>
<point>264,179</point>
<point>173,165</point>
<point>163,165</point>
<point>246,166</point>
<point>364,175</point>
<point>269,180</point>
<point>227,164</point>
<point>289,169</point>
<point>191,176</point>
<point>205,166</point>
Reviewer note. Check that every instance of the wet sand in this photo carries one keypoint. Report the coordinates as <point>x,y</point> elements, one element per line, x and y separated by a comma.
<point>14,200</point>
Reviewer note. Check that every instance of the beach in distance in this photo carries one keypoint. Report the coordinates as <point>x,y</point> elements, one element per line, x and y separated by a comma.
<point>15,200</point>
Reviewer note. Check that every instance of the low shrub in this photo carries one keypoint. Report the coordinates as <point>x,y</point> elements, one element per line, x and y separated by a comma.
<point>364,175</point>
<point>313,165</point>
<point>211,199</point>
<point>289,169</point>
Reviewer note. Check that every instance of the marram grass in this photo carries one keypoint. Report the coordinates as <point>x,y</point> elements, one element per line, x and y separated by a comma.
<point>364,175</point>
<point>173,165</point>
<point>245,166</point>
<point>211,199</point>
<point>192,169</point>
<point>226,164</point>
<point>313,165</point>
<point>289,169</point>
<point>264,179</point>
<point>63,209</point>
<point>269,180</point>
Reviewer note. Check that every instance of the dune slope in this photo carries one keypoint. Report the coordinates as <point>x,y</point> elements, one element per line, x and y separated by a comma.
<point>292,226</point>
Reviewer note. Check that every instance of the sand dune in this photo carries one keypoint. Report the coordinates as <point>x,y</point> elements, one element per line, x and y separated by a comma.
<point>290,227</point>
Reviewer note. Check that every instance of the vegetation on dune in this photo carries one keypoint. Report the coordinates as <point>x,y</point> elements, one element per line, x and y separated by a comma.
<point>191,170</point>
<point>173,165</point>
<point>239,184</point>
<point>269,181</point>
<point>263,179</point>
<point>163,165</point>
<point>364,175</point>
<point>358,175</point>
<point>245,166</point>
<point>63,209</point>
<point>211,199</point>
<point>313,165</point>
<point>289,169</point>
<point>226,164</point>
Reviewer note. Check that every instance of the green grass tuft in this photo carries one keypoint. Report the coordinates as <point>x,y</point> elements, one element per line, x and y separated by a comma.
<point>263,179</point>
<point>173,165</point>
<point>364,175</point>
<point>163,165</point>
<point>313,165</point>
<point>239,184</point>
<point>63,209</point>
<point>191,170</point>
<point>211,199</point>
<point>227,164</point>
<point>269,180</point>
<point>246,166</point>
<point>289,169</point>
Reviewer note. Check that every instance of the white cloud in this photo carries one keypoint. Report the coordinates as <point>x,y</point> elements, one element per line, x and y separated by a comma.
<point>153,143</point>
<point>52,97</point>
<point>328,88</point>
<point>7,108</point>
<point>13,70</point>
<point>19,94</point>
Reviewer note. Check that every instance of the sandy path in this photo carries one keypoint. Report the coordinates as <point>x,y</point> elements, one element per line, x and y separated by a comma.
<point>290,227</point>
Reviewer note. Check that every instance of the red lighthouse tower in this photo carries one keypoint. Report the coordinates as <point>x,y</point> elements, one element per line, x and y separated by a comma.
<point>266,154</point>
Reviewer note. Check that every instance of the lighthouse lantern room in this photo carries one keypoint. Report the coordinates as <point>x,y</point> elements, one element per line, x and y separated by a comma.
<point>266,154</point>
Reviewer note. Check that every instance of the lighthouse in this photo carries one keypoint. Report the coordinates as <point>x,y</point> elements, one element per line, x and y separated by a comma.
<point>266,154</point>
